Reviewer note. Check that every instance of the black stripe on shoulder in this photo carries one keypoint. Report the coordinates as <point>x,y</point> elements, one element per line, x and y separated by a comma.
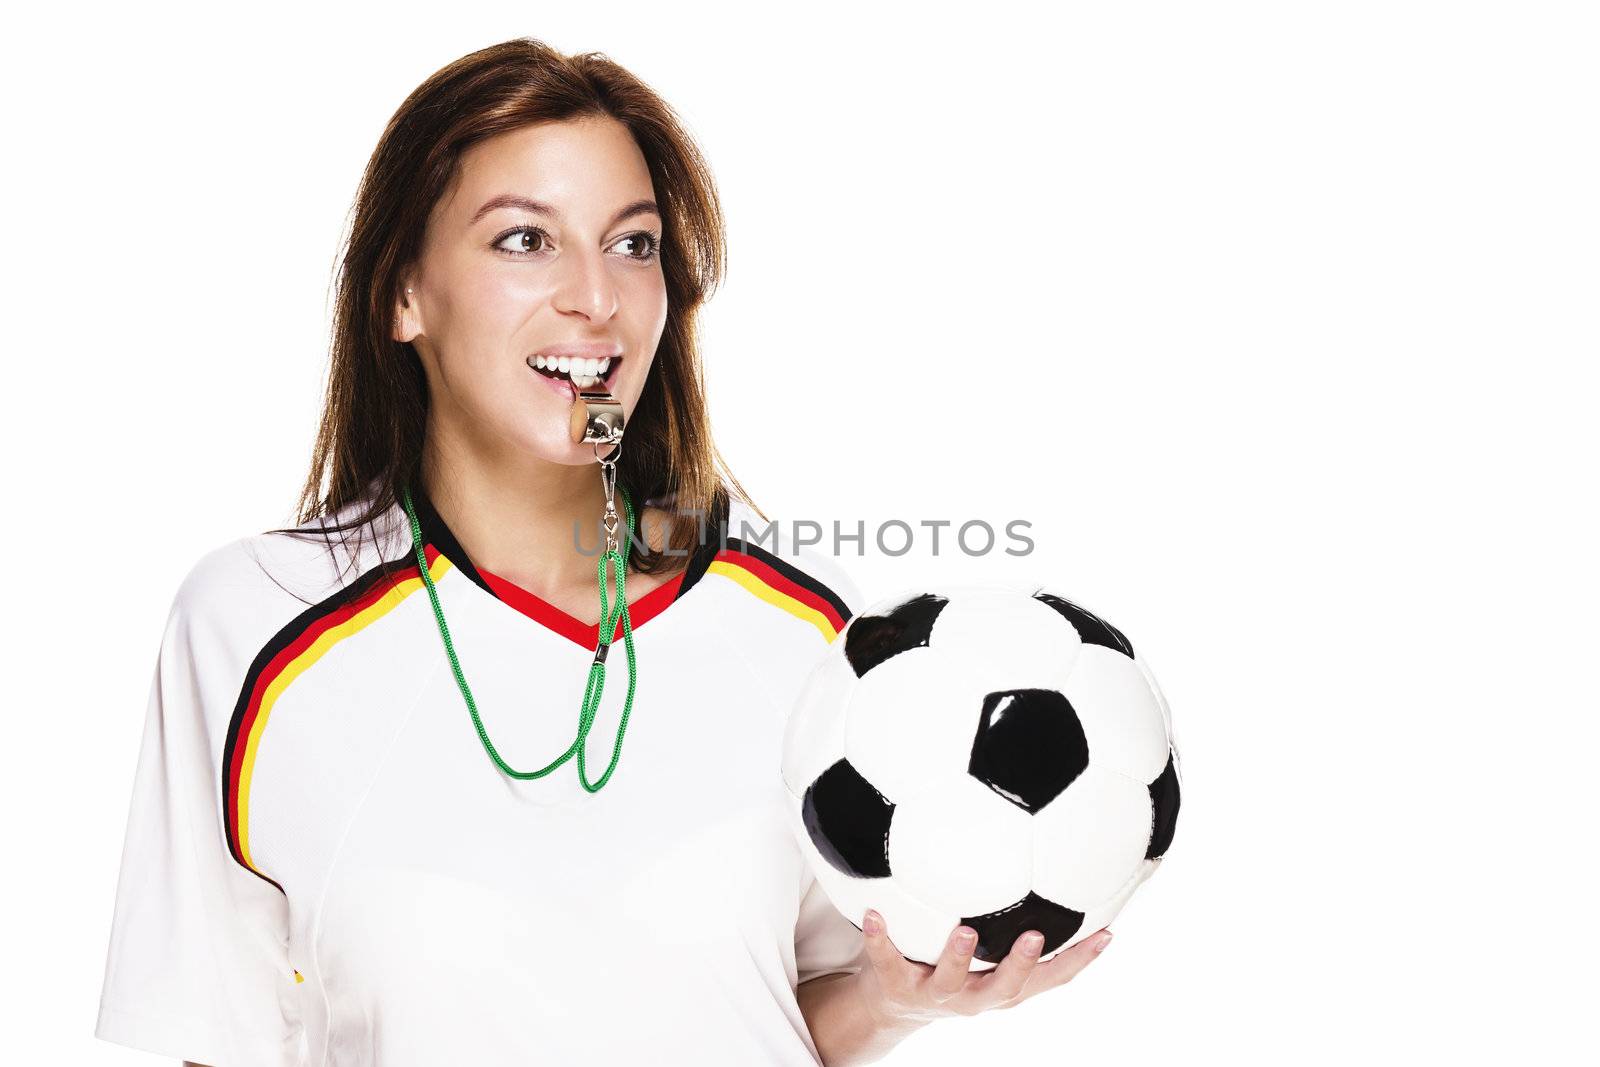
<point>793,573</point>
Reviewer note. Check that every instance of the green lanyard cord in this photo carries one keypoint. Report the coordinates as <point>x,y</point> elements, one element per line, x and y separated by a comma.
<point>609,615</point>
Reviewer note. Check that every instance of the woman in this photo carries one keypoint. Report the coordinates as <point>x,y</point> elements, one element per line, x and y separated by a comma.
<point>351,840</point>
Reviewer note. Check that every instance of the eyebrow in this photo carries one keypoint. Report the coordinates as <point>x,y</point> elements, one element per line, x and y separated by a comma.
<point>638,207</point>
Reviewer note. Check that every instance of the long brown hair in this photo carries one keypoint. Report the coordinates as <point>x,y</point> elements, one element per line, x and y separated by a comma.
<point>369,443</point>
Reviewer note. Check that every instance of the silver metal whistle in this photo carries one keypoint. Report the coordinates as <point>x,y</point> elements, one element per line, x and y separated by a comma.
<point>597,419</point>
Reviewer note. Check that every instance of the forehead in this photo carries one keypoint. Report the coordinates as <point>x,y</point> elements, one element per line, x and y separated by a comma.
<point>582,167</point>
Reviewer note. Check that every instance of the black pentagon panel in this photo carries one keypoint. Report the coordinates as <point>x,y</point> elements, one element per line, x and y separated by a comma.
<point>848,822</point>
<point>1029,746</point>
<point>871,639</point>
<point>1164,802</point>
<point>1092,628</point>
<point>999,930</point>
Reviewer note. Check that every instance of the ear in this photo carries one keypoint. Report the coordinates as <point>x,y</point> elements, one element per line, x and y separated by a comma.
<point>407,313</point>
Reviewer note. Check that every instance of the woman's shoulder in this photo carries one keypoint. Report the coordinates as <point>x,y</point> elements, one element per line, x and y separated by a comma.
<point>799,555</point>
<point>272,575</point>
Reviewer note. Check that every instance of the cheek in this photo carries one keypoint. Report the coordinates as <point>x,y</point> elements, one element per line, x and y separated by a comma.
<point>644,315</point>
<point>490,308</point>
<point>475,327</point>
<point>647,306</point>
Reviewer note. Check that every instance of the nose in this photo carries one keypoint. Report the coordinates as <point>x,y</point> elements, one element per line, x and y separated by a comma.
<point>584,285</point>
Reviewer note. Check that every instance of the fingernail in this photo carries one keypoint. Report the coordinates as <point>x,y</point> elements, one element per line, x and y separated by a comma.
<point>872,923</point>
<point>965,938</point>
<point>1105,939</point>
<point>1032,943</point>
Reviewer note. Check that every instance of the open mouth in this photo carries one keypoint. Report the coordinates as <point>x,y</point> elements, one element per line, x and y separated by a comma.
<point>582,373</point>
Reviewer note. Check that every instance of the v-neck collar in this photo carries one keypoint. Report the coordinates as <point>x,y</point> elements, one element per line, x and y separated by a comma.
<point>438,539</point>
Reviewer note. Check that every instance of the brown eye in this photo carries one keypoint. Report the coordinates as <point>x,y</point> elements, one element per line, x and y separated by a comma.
<point>522,239</point>
<point>650,245</point>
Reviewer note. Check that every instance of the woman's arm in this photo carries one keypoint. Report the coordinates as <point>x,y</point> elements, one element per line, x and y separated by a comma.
<point>842,1024</point>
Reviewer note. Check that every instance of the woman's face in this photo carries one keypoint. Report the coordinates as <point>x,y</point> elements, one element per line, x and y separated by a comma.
<point>549,239</point>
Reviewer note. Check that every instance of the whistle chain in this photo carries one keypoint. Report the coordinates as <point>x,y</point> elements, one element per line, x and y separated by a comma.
<point>609,615</point>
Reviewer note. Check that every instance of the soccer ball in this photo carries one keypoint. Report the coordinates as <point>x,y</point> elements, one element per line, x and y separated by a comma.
<point>981,755</point>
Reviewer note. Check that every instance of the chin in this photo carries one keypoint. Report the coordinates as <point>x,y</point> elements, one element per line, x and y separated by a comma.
<point>527,439</point>
<point>563,451</point>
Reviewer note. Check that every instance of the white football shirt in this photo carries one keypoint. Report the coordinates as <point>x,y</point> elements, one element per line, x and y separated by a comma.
<point>323,866</point>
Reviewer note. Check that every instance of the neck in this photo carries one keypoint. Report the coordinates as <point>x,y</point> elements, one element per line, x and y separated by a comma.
<point>516,515</point>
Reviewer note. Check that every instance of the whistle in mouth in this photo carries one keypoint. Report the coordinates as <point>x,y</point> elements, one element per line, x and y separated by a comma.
<point>597,418</point>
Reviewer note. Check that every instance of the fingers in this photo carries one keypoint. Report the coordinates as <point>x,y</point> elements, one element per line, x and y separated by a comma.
<point>886,959</point>
<point>955,962</point>
<point>1005,983</point>
<point>1065,965</point>
<point>893,984</point>
<point>908,988</point>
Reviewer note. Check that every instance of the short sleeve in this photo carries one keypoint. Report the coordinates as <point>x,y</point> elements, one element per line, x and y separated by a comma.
<point>825,942</point>
<point>197,966</point>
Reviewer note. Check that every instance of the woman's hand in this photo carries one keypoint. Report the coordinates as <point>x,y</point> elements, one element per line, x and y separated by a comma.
<point>903,992</point>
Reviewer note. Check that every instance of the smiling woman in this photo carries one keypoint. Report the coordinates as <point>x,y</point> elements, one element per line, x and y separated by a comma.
<point>511,304</point>
<point>331,856</point>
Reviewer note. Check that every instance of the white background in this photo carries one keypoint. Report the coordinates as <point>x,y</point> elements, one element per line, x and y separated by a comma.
<point>1301,301</point>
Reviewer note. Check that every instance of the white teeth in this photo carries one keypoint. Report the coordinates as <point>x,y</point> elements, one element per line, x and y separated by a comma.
<point>583,372</point>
